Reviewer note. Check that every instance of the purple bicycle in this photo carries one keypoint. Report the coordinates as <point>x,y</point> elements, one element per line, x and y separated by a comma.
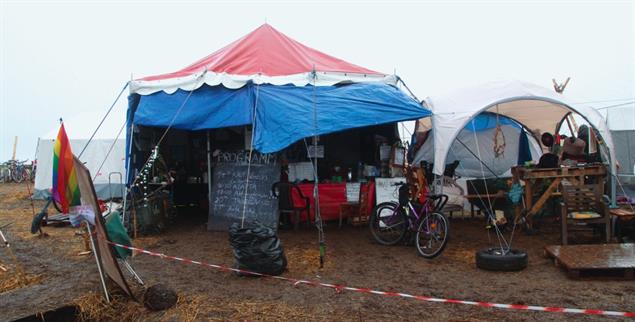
<point>390,221</point>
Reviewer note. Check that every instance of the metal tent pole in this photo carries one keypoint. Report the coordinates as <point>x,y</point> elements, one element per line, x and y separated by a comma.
<point>316,194</point>
<point>132,271</point>
<point>127,189</point>
<point>209,174</point>
<point>612,166</point>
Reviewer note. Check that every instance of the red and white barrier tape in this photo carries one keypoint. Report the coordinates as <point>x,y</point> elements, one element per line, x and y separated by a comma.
<point>340,288</point>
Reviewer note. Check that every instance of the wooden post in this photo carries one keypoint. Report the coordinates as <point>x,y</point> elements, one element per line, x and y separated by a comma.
<point>15,146</point>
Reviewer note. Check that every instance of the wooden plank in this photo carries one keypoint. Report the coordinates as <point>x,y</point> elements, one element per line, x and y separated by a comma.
<point>594,256</point>
<point>545,196</point>
<point>534,173</point>
<point>619,267</point>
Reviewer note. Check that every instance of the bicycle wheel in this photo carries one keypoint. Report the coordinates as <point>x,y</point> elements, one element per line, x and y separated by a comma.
<point>388,223</point>
<point>432,235</point>
<point>26,175</point>
<point>17,175</point>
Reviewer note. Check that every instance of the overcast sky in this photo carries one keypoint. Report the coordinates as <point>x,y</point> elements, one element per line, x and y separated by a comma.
<point>60,58</point>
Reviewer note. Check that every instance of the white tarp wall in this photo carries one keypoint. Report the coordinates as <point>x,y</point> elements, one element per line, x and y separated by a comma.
<point>470,166</point>
<point>621,121</point>
<point>79,129</point>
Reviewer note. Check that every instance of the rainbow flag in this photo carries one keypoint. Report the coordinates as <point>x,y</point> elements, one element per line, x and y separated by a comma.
<point>65,188</point>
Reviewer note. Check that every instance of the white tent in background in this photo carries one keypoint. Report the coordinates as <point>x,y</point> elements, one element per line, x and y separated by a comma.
<point>79,129</point>
<point>621,122</point>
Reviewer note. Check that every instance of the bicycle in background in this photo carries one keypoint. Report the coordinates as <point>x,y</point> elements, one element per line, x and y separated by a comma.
<point>5,173</point>
<point>16,171</point>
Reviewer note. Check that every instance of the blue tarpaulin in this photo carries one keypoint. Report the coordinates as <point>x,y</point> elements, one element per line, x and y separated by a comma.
<point>284,114</point>
<point>486,121</point>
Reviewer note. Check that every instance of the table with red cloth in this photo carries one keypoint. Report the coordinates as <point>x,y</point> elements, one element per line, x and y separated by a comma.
<point>332,195</point>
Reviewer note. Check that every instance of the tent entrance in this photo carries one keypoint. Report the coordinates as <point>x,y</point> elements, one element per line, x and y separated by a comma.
<point>179,181</point>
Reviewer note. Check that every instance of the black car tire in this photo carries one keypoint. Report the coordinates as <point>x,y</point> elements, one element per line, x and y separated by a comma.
<point>492,259</point>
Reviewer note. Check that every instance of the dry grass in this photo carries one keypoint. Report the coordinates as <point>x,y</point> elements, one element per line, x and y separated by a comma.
<point>465,256</point>
<point>16,278</point>
<point>13,280</point>
<point>276,311</point>
<point>186,308</point>
<point>199,307</point>
<point>306,261</point>
<point>93,307</point>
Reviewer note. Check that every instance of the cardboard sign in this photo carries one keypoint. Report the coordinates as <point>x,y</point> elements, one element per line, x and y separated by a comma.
<point>352,191</point>
<point>385,189</point>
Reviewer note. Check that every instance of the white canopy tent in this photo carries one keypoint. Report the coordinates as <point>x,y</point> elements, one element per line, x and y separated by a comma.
<point>79,130</point>
<point>474,145</point>
<point>537,108</point>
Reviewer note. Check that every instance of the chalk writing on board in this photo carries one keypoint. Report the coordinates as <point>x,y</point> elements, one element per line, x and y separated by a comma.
<point>242,157</point>
<point>230,183</point>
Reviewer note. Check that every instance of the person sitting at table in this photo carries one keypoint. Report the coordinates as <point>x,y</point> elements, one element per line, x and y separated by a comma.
<point>589,136</point>
<point>573,150</point>
<point>548,159</point>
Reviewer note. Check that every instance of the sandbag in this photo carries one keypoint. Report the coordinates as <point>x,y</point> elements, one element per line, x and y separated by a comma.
<point>257,248</point>
<point>159,297</point>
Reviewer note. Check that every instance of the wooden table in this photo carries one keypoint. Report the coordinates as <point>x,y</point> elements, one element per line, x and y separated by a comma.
<point>483,196</point>
<point>533,177</point>
<point>624,213</point>
<point>621,216</point>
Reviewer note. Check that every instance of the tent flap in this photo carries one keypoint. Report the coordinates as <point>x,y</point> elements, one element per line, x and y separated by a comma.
<point>284,114</point>
<point>206,108</point>
<point>287,114</point>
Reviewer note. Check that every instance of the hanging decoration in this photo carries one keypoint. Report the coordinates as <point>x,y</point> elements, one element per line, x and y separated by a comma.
<point>499,138</point>
<point>142,178</point>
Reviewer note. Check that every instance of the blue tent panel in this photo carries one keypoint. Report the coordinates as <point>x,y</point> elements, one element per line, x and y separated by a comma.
<point>486,121</point>
<point>524,152</point>
<point>286,114</point>
<point>206,108</point>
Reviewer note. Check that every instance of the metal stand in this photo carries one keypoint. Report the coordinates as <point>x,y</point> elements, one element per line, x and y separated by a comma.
<point>209,175</point>
<point>132,271</point>
<point>4,239</point>
<point>101,273</point>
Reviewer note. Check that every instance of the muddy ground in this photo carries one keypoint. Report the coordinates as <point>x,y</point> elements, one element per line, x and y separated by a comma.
<point>352,259</point>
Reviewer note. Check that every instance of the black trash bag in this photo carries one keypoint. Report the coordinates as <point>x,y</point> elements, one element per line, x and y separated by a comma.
<point>257,249</point>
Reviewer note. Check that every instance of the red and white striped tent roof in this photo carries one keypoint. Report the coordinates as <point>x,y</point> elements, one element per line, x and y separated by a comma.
<point>264,56</point>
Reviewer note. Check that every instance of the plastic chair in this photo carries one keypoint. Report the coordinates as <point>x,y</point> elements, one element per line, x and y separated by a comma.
<point>283,191</point>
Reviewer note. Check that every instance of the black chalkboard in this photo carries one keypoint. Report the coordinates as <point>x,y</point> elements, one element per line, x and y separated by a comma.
<point>228,190</point>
